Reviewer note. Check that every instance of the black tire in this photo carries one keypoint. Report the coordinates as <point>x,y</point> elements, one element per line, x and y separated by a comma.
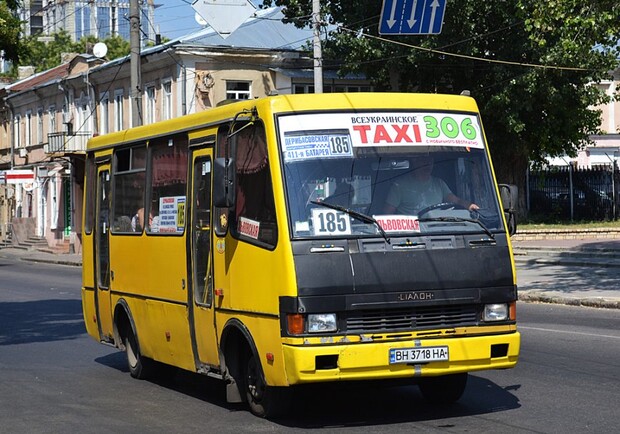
<point>263,401</point>
<point>140,367</point>
<point>445,389</point>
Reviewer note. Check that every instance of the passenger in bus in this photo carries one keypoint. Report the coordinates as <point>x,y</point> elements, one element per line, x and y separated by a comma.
<point>137,221</point>
<point>420,189</point>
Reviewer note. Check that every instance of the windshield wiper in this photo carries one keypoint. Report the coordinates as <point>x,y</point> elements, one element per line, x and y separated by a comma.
<point>458,220</point>
<point>356,215</point>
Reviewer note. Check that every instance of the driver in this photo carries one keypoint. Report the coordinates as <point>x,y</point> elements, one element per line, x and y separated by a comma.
<point>419,190</point>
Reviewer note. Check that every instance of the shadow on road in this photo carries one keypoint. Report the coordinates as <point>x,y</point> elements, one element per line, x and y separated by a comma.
<point>40,321</point>
<point>346,404</point>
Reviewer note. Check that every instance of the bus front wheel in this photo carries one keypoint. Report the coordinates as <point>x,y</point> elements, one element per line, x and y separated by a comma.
<point>444,389</point>
<point>263,400</point>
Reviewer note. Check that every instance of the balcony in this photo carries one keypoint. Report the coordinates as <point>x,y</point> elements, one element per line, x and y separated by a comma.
<point>65,143</point>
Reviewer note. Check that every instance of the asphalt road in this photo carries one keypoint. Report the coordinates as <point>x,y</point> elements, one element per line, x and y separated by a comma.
<point>56,379</point>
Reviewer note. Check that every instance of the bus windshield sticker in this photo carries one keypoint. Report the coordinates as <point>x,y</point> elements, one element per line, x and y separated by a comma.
<point>398,223</point>
<point>376,129</point>
<point>249,228</point>
<point>171,214</point>
<point>307,145</point>
<point>327,221</point>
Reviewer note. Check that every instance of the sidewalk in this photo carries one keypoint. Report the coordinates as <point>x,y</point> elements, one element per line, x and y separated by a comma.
<point>73,259</point>
<point>579,272</point>
<point>545,264</point>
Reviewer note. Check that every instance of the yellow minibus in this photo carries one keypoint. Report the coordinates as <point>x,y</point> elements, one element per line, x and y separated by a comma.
<point>299,239</point>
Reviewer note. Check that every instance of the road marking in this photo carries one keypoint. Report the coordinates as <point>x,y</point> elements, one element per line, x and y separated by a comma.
<point>570,333</point>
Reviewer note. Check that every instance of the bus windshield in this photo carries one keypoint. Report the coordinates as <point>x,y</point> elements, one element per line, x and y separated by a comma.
<point>343,181</point>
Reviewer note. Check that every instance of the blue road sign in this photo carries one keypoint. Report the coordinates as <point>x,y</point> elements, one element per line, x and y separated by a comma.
<point>412,17</point>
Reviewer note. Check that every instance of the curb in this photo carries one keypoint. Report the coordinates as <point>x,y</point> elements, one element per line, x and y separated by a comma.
<point>538,297</point>
<point>574,262</point>
<point>52,261</point>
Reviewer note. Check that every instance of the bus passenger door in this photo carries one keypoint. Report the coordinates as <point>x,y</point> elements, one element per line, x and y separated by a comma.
<point>202,315</point>
<point>102,254</point>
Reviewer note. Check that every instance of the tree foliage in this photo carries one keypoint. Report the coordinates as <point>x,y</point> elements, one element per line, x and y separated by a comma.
<point>9,30</point>
<point>529,64</point>
<point>46,53</point>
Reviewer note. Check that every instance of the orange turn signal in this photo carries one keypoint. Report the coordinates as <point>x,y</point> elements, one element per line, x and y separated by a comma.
<point>512,311</point>
<point>295,323</point>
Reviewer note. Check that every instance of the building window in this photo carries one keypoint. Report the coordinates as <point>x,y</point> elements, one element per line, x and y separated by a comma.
<point>167,100</point>
<point>51,113</point>
<point>104,115</point>
<point>238,90</point>
<point>149,105</point>
<point>123,22</point>
<point>103,22</point>
<point>82,19</point>
<point>28,128</point>
<point>17,138</point>
<point>40,125</point>
<point>118,110</point>
<point>303,88</point>
<point>328,88</point>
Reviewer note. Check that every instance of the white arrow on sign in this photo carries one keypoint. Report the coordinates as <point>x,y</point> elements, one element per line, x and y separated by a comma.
<point>224,16</point>
<point>434,5</point>
<point>392,21</point>
<point>411,21</point>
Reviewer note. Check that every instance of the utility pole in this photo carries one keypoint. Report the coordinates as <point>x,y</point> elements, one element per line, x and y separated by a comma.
<point>134,63</point>
<point>318,56</point>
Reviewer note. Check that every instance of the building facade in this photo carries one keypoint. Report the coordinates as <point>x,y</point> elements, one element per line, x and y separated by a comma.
<point>99,18</point>
<point>47,118</point>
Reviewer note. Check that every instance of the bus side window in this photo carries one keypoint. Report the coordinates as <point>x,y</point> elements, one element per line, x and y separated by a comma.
<point>255,209</point>
<point>166,210</point>
<point>129,188</point>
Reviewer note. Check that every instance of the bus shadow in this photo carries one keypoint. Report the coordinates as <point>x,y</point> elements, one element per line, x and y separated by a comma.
<point>345,404</point>
<point>360,404</point>
<point>40,321</point>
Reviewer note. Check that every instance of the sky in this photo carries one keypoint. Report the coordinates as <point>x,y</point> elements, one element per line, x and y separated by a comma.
<point>175,18</point>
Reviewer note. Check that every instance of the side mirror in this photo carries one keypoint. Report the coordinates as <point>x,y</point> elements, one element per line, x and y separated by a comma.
<point>509,195</point>
<point>224,182</point>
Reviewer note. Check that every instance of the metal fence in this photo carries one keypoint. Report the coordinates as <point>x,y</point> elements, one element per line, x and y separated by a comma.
<point>570,193</point>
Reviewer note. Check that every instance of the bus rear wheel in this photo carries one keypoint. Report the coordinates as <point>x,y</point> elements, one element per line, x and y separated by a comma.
<point>140,367</point>
<point>263,400</point>
<point>444,389</point>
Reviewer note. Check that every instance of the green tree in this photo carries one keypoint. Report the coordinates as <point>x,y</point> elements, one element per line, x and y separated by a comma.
<point>46,53</point>
<point>9,30</point>
<point>529,64</point>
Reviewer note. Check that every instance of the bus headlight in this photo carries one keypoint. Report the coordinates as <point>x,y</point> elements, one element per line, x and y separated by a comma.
<point>495,312</point>
<point>322,322</point>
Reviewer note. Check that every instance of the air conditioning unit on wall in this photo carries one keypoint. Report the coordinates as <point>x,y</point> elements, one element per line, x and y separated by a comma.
<point>23,152</point>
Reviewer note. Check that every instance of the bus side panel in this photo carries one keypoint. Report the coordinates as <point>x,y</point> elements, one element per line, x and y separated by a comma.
<point>153,282</point>
<point>162,331</point>
<point>152,266</point>
<point>89,312</point>
<point>265,333</point>
<point>251,280</point>
<point>88,291</point>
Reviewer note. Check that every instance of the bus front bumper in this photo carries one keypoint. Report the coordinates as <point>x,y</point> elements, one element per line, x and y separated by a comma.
<point>371,360</point>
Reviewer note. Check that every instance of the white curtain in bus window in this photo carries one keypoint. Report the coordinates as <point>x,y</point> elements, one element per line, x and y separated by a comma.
<point>168,185</point>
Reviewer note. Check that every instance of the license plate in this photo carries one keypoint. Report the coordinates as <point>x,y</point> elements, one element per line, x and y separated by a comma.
<point>419,355</point>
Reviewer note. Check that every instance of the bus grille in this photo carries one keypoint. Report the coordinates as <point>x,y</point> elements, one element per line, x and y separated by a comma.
<point>419,318</point>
